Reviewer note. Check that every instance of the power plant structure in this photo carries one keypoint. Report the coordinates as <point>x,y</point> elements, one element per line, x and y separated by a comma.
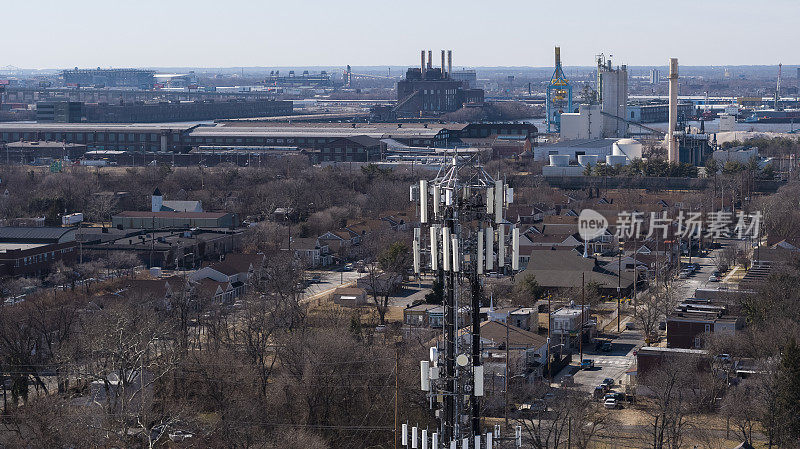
<point>672,143</point>
<point>430,90</point>
<point>607,116</point>
<point>612,88</point>
<point>463,236</point>
<point>559,96</point>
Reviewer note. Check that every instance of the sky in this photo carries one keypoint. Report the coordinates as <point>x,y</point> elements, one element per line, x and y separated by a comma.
<point>239,33</point>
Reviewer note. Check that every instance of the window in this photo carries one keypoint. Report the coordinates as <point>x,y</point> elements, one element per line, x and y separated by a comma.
<point>708,328</point>
<point>696,342</point>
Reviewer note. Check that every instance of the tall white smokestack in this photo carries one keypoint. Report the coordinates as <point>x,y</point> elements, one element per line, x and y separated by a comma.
<point>672,145</point>
<point>422,62</point>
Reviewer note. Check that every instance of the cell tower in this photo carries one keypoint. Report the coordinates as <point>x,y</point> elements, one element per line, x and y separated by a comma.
<point>559,96</point>
<point>462,237</point>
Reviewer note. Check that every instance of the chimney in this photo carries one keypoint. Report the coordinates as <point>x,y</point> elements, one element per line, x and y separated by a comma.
<point>430,59</point>
<point>422,62</point>
<point>672,145</point>
<point>443,76</point>
<point>450,63</point>
<point>558,56</point>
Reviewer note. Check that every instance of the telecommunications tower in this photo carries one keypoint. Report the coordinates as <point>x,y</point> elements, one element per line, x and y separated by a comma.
<point>462,237</point>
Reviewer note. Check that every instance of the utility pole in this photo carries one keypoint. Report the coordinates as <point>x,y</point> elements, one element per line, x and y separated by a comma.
<point>505,383</point>
<point>583,307</point>
<point>619,283</point>
<point>396,390</point>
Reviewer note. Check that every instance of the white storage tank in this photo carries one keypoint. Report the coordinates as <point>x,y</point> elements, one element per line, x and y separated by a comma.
<point>613,160</point>
<point>587,159</point>
<point>559,160</point>
<point>627,147</point>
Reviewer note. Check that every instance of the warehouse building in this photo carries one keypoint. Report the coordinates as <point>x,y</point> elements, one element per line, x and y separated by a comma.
<point>138,78</point>
<point>173,220</point>
<point>27,251</point>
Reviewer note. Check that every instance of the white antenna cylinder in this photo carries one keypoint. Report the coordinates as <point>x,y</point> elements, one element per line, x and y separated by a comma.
<point>453,444</point>
<point>434,248</point>
<point>501,246</point>
<point>433,355</point>
<point>489,440</point>
<point>465,443</point>
<point>434,373</point>
<point>456,257</point>
<point>412,193</point>
<point>477,372</point>
<point>404,435</point>
<point>515,248</point>
<point>435,441</point>
<point>477,442</point>
<point>448,197</point>
<point>509,195</point>
<point>424,374</point>
<point>498,201</point>
<point>424,439</point>
<point>489,248</point>
<point>497,431</point>
<point>490,200</point>
<point>437,200</point>
<point>446,257</point>
<point>518,435</point>
<point>481,255</point>
<point>417,235</point>
<point>414,437</point>
<point>423,201</point>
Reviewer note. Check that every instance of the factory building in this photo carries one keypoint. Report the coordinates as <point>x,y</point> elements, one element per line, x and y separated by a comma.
<point>138,78</point>
<point>430,90</point>
<point>657,112</point>
<point>59,111</point>
<point>164,137</point>
<point>606,119</point>
<point>563,156</point>
<point>174,111</point>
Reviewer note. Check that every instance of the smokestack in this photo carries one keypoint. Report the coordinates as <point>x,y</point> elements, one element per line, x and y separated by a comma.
<point>443,64</point>
<point>450,63</point>
<point>422,62</point>
<point>558,56</point>
<point>672,144</point>
<point>430,59</point>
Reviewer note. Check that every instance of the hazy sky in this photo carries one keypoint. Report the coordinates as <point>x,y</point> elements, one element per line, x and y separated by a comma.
<point>233,33</point>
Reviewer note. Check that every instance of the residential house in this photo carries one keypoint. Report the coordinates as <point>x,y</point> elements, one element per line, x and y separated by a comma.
<point>554,270</point>
<point>527,353</point>
<point>312,251</point>
<point>228,279</point>
<point>567,323</point>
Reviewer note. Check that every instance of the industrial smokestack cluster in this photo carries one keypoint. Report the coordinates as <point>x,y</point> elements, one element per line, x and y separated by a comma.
<point>672,144</point>
<point>424,65</point>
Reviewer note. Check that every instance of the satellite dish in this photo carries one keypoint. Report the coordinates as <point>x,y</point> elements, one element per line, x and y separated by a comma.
<point>462,360</point>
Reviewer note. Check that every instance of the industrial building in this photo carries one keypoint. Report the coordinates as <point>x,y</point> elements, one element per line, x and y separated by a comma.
<point>267,138</point>
<point>607,118</point>
<point>657,111</point>
<point>138,78</point>
<point>173,220</point>
<point>38,151</point>
<point>317,80</point>
<point>174,111</point>
<point>28,251</point>
<point>428,90</point>
<point>586,153</point>
<point>59,111</point>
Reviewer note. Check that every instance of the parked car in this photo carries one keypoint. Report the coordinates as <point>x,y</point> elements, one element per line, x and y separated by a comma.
<point>616,395</point>
<point>610,403</point>
<point>713,278</point>
<point>587,364</point>
<point>606,347</point>
<point>599,391</point>
<point>630,325</point>
<point>608,381</point>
